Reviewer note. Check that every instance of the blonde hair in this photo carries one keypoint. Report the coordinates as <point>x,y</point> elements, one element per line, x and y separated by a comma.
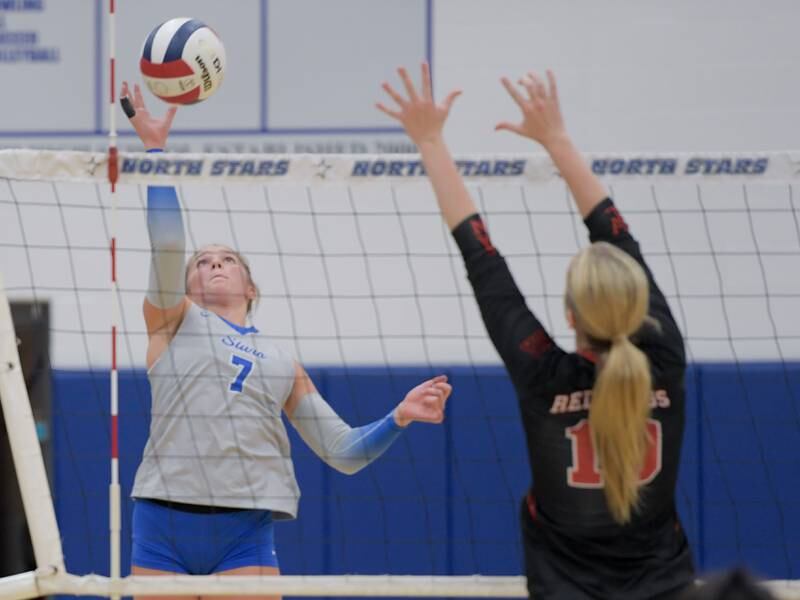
<point>607,291</point>
<point>245,263</point>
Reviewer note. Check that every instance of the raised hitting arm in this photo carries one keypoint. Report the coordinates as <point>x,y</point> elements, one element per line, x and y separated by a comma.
<point>165,300</point>
<point>166,287</point>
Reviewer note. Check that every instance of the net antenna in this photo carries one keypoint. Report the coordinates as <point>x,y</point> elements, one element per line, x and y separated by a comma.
<point>114,495</point>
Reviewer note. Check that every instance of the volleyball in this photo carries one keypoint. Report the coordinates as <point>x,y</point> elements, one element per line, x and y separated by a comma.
<point>183,61</point>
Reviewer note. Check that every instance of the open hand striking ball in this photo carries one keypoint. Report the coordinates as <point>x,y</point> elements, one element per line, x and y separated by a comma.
<point>183,61</point>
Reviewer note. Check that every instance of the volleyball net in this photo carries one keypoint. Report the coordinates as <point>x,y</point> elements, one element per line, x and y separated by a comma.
<point>361,282</point>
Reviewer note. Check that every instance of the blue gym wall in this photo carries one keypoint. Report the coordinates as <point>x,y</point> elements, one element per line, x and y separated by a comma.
<point>444,500</point>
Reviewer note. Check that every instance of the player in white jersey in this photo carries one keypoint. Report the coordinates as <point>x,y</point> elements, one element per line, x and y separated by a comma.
<point>217,469</point>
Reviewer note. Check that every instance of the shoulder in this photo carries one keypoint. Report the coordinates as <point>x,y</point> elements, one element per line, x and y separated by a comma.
<point>663,345</point>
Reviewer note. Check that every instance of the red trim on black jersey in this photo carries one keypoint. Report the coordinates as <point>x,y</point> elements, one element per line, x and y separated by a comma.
<point>618,224</point>
<point>536,344</point>
<point>479,230</point>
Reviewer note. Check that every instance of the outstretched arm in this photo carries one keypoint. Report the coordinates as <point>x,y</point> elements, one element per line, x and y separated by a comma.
<point>349,449</point>
<point>165,301</point>
<point>543,123</point>
<point>518,336</point>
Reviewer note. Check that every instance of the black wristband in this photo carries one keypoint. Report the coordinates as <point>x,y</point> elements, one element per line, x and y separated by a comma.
<point>127,107</point>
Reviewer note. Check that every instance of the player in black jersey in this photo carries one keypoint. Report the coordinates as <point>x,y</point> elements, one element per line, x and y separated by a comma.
<point>604,425</point>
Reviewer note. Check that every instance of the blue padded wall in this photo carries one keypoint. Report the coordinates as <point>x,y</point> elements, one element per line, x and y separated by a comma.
<point>445,500</point>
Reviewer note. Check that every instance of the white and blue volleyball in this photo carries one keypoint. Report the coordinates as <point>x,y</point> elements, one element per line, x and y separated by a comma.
<point>183,61</point>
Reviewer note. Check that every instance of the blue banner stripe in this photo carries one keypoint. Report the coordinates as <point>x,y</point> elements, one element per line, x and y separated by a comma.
<point>178,41</point>
<point>148,44</point>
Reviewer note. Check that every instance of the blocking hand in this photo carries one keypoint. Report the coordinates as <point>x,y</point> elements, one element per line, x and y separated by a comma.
<point>420,116</point>
<point>541,112</point>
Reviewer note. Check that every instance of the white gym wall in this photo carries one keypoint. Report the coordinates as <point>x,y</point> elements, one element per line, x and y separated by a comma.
<point>716,75</point>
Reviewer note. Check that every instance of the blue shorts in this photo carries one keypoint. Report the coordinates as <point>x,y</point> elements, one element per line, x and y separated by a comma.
<point>180,540</point>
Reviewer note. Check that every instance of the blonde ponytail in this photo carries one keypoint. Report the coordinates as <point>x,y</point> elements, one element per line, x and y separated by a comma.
<point>608,293</point>
<point>618,420</point>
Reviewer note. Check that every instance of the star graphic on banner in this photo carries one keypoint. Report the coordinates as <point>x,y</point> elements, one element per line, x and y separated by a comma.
<point>93,164</point>
<point>323,167</point>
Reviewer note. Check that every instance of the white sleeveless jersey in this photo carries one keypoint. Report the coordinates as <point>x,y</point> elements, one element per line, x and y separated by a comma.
<point>216,434</point>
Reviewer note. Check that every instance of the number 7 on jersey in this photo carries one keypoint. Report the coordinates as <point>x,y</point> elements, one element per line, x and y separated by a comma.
<point>246,366</point>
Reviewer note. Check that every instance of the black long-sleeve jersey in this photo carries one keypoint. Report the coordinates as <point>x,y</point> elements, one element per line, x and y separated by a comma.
<point>574,548</point>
